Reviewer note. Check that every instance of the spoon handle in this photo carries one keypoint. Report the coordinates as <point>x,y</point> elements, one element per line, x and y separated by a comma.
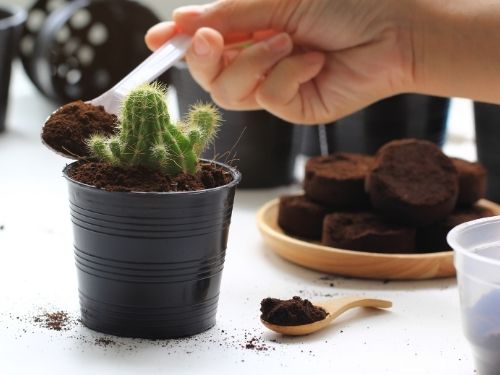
<point>156,64</point>
<point>338,306</point>
<point>151,68</point>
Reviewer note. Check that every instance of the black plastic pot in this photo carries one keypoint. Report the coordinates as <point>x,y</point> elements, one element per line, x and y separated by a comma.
<point>149,264</point>
<point>487,119</point>
<point>259,144</point>
<point>11,22</point>
<point>85,46</point>
<point>37,14</point>
<point>401,116</point>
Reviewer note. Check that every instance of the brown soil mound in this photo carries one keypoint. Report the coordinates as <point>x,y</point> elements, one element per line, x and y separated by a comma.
<point>140,179</point>
<point>68,129</point>
<point>292,312</point>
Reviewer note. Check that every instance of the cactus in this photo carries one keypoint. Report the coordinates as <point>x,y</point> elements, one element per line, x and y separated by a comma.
<point>148,138</point>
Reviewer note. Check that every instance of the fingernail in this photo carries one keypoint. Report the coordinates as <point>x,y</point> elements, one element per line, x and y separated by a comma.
<point>201,46</point>
<point>190,10</point>
<point>162,27</point>
<point>279,43</point>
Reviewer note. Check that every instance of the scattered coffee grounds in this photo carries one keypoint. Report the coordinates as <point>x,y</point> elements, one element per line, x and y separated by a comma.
<point>293,312</point>
<point>68,129</point>
<point>56,321</point>
<point>104,342</point>
<point>365,231</point>
<point>471,180</point>
<point>412,181</point>
<point>337,180</point>
<point>140,179</point>
<point>256,344</point>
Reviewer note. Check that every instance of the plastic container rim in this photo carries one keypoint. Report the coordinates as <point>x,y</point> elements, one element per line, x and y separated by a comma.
<point>459,249</point>
<point>14,17</point>
<point>234,172</point>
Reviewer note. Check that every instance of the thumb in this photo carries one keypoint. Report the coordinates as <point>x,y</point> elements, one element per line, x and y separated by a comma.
<point>230,16</point>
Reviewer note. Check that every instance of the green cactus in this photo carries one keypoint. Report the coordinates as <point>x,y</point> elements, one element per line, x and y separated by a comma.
<point>147,137</point>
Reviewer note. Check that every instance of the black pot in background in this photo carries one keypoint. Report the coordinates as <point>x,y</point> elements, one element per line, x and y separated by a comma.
<point>84,47</point>
<point>401,116</point>
<point>259,144</point>
<point>12,19</point>
<point>150,264</point>
<point>487,119</point>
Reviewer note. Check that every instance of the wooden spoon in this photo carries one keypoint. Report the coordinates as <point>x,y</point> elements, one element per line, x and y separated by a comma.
<point>334,308</point>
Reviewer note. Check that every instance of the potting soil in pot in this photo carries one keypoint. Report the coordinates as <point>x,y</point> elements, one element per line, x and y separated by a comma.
<point>115,178</point>
<point>68,129</point>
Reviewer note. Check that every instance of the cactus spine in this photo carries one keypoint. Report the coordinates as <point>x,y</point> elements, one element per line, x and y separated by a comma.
<point>148,138</point>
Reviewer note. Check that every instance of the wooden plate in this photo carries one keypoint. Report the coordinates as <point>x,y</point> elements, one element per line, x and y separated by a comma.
<point>355,263</point>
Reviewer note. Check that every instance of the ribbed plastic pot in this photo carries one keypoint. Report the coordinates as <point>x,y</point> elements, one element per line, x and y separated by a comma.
<point>149,265</point>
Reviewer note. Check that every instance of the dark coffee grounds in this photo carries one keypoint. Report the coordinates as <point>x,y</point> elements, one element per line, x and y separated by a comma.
<point>68,129</point>
<point>366,231</point>
<point>256,344</point>
<point>140,179</point>
<point>56,321</point>
<point>433,237</point>
<point>104,342</point>
<point>337,180</point>
<point>471,181</point>
<point>299,216</point>
<point>412,181</point>
<point>293,312</point>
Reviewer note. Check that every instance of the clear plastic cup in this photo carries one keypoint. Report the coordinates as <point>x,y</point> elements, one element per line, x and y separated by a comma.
<point>476,245</point>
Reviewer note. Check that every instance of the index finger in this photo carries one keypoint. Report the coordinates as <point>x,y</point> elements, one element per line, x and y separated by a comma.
<point>228,16</point>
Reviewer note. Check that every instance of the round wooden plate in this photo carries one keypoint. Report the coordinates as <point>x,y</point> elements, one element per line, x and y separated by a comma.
<point>355,263</point>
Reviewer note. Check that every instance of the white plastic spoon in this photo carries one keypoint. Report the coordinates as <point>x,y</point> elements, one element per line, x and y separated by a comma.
<point>150,69</point>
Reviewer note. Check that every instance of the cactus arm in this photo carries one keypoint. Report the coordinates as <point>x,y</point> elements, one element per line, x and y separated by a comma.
<point>114,146</point>
<point>204,119</point>
<point>98,146</point>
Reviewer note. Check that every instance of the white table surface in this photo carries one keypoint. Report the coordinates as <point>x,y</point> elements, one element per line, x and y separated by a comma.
<point>422,333</point>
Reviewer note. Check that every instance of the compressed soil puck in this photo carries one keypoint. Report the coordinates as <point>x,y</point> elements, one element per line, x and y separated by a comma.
<point>412,181</point>
<point>292,312</point>
<point>299,216</point>
<point>68,129</point>
<point>337,180</point>
<point>432,238</point>
<point>365,231</point>
<point>471,181</point>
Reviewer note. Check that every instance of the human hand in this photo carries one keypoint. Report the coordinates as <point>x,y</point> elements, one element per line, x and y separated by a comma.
<point>309,61</point>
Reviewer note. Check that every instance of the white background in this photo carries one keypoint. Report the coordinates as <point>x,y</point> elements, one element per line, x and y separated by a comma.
<point>420,335</point>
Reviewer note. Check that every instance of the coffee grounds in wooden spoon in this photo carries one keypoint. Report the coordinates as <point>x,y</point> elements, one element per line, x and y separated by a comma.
<point>292,312</point>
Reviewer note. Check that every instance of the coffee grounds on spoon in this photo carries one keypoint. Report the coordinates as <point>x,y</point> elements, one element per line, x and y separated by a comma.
<point>292,312</point>
<point>68,129</point>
